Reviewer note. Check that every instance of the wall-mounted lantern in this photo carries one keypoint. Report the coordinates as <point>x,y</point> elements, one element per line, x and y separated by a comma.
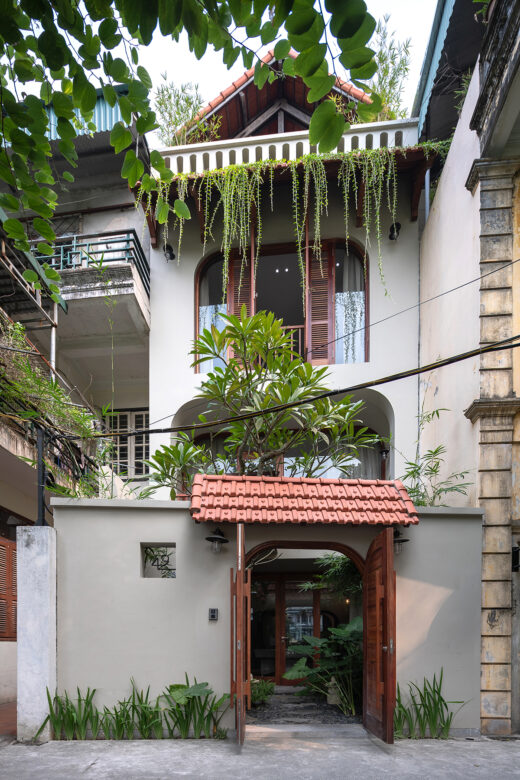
<point>217,539</point>
<point>169,253</point>
<point>395,229</point>
<point>399,541</point>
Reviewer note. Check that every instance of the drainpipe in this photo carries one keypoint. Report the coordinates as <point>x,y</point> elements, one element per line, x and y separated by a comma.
<point>426,194</point>
<point>53,337</point>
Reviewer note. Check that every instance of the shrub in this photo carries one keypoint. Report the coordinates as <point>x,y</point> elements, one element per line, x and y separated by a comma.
<point>261,691</point>
<point>426,714</point>
<point>339,655</point>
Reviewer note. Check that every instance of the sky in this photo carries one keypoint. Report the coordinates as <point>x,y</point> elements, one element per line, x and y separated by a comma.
<point>409,18</point>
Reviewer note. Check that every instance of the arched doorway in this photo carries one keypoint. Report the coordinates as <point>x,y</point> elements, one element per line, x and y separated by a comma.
<point>290,605</point>
<point>379,668</point>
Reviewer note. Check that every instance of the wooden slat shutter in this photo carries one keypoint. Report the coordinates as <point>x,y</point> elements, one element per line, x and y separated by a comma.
<point>239,289</point>
<point>7,589</point>
<point>320,307</point>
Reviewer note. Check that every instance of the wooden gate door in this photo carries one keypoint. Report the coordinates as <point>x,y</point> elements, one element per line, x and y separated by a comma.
<point>379,637</point>
<point>240,688</point>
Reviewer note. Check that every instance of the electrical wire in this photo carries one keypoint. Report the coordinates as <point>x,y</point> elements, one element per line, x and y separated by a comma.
<point>411,308</point>
<point>391,316</point>
<point>496,346</point>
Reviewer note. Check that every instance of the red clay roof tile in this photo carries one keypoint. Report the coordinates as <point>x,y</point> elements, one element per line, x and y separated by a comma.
<point>222,498</point>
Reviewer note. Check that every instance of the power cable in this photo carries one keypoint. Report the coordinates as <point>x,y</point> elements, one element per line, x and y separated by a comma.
<point>411,308</point>
<point>391,316</point>
<point>496,346</point>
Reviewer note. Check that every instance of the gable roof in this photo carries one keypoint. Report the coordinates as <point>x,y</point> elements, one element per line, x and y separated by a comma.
<point>242,101</point>
<point>231,499</point>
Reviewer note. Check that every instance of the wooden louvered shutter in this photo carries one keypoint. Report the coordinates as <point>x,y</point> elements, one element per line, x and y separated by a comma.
<point>239,289</point>
<point>7,589</point>
<point>320,306</point>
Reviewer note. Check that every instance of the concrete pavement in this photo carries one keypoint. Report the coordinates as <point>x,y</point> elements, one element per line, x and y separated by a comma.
<point>270,752</point>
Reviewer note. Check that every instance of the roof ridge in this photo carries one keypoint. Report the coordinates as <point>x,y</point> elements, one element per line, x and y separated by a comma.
<point>269,57</point>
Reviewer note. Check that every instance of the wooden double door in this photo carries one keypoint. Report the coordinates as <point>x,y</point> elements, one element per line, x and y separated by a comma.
<point>295,614</point>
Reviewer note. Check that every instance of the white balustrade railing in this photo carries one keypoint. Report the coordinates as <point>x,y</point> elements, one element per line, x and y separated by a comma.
<point>197,158</point>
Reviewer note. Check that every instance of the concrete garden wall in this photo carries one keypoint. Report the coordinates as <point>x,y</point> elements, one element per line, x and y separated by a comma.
<point>114,624</point>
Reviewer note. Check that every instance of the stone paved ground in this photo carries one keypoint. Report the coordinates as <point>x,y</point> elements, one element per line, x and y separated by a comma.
<point>288,706</point>
<point>302,752</point>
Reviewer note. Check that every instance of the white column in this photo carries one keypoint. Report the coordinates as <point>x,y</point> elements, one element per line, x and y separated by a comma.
<point>36,635</point>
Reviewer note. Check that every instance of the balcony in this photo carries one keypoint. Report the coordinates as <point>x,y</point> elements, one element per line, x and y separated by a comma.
<point>197,158</point>
<point>99,251</point>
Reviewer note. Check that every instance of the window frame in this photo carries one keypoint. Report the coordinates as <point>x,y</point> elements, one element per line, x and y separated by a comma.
<point>131,442</point>
<point>328,258</point>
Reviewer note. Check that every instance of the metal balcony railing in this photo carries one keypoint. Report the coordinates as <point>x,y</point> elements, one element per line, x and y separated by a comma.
<point>84,251</point>
<point>207,156</point>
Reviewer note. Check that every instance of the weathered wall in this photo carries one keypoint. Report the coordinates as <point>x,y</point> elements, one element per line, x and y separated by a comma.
<point>114,624</point>
<point>36,564</point>
<point>393,345</point>
<point>450,324</point>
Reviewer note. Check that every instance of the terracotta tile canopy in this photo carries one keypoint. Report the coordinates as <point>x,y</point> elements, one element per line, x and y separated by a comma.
<point>230,499</point>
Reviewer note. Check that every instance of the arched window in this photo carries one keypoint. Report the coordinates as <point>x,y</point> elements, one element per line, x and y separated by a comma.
<point>329,328</point>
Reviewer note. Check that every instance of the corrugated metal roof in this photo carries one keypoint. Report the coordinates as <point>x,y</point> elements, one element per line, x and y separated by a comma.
<point>105,117</point>
<point>431,61</point>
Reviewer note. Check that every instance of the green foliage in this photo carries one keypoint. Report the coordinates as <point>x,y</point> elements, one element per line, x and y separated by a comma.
<point>392,59</point>
<point>462,91</point>
<point>190,710</point>
<point>340,576</point>
<point>31,393</point>
<point>71,718</point>
<point>423,477</point>
<point>339,664</point>
<point>177,109</point>
<point>229,197</point>
<point>193,709</point>
<point>426,714</point>
<point>260,371</point>
<point>261,691</point>
<point>66,51</point>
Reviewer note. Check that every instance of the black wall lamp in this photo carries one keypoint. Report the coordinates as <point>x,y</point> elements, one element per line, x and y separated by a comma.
<point>169,253</point>
<point>395,229</point>
<point>399,541</point>
<point>217,539</point>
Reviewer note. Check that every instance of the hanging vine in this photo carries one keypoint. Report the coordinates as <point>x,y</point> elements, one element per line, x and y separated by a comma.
<point>232,198</point>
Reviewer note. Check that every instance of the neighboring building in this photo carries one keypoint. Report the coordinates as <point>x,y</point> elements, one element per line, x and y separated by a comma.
<point>473,230</point>
<point>94,343</point>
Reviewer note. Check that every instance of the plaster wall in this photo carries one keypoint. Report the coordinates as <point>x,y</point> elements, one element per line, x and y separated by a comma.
<point>393,345</point>
<point>450,254</point>
<point>114,624</point>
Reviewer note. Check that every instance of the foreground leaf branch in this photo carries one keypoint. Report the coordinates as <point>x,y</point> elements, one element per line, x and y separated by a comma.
<point>56,58</point>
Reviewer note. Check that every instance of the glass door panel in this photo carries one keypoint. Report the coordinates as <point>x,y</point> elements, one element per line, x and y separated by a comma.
<point>299,613</point>
<point>263,627</point>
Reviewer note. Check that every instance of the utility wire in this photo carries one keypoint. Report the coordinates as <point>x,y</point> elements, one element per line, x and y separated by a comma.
<point>496,346</point>
<point>411,308</point>
<point>390,316</point>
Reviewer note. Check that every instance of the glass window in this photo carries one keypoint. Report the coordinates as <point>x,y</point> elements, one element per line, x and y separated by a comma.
<point>212,302</point>
<point>129,453</point>
<point>349,306</point>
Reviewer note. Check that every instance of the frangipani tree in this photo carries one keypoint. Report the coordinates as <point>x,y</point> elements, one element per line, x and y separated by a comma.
<point>259,371</point>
